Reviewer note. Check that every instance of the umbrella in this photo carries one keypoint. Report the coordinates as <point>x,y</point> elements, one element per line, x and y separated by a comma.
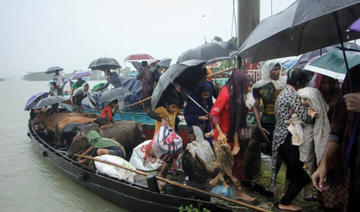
<point>53,69</point>
<point>99,86</point>
<point>113,94</point>
<point>164,63</point>
<point>81,74</point>
<point>138,57</point>
<point>355,26</point>
<point>187,74</point>
<point>34,99</point>
<point>104,63</point>
<point>211,52</point>
<point>304,26</point>
<point>289,63</point>
<point>333,64</point>
<point>49,101</point>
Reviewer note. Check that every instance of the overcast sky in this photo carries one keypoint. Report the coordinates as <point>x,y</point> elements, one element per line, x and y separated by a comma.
<point>37,34</point>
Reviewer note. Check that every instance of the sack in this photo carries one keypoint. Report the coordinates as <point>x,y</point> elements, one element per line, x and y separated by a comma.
<point>113,171</point>
<point>296,131</point>
<point>137,158</point>
<point>165,144</point>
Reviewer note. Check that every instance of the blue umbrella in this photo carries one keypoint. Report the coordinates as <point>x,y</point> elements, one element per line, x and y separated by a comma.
<point>53,69</point>
<point>289,63</point>
<point>34,99</point>
<point>81,74</point>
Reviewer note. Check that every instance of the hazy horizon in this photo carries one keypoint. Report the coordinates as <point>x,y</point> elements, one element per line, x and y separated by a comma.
<point>38,34</point>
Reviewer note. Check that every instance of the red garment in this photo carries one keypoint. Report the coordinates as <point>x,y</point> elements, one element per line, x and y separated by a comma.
<point>106,113</point>
<point>220,114</point>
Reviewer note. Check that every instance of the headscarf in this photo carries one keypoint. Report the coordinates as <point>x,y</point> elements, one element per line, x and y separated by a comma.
<point>321,128</point>
<point>99,142</point>
<point>265,75</point>
<point>237,84</point>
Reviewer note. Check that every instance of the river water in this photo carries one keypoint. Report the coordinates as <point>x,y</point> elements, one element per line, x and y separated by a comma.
<point>27,181</point>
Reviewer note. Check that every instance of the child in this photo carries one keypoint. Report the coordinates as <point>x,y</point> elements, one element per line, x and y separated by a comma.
<point>167,113</point>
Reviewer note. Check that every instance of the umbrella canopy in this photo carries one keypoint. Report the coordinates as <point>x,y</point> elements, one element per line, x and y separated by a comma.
<point>34,99</point>
<point>100,86</point>
<point>104,63</point>
<point>113,94</point>
<point>81,74</point>
<point>211,52</point>
<point>49,101</point>
<point>53,69</point>
<point>187,74</point>
<point>138,57</point>
<point>304,26</point>
<point>355,26</point>
<point>333,64</point>
<point>164,63</point>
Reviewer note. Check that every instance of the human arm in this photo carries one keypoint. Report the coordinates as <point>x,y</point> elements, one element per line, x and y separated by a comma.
<point>352,101</point>
<point>256,109</point>
<point>319,176</point>
<point>217,110</point>
<point>303,113</point>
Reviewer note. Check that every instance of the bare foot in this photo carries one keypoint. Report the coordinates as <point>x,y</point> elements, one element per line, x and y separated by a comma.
<point>243,196</point>
<point>215,180</point>
<point>290,207</point>
<point>235,150</point>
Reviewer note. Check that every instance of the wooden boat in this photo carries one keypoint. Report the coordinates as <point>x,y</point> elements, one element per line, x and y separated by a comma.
<point>133,197</point>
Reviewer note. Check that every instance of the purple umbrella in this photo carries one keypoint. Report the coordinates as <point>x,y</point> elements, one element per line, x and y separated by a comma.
<point>355,26</point>
<point>33,100</point>
<point>81,74</point>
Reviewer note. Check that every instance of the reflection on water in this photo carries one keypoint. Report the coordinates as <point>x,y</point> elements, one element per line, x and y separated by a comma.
<point>27,181</point>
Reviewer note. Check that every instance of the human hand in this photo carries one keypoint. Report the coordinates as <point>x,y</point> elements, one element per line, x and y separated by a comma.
<point>319,178</point>
<point>352,101</point>
<point>265,133</point>
<point>311,112</point>
<point>203,118</point>
<point>164,122</point>
<point>177,87</point>
<point>222,137</point>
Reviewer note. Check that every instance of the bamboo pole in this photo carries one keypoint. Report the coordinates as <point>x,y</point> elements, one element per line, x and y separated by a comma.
<point>176,184</point>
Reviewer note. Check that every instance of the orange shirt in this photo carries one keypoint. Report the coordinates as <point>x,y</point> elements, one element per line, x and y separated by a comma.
<point>106,113</point>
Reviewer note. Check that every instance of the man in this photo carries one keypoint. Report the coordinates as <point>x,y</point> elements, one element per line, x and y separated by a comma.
<point>59,80</point>
<point>266,91</point>
<point>79,82</point>
<point>79,95</point>
<point>145,76</point>
<point>344,141</point>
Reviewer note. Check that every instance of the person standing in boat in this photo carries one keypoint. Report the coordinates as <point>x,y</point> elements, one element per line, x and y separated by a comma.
<point>228,118</point>
<point>79,95</point>
<point>108,112</point>
<point>196,116</point>
<point>145,76</point>
<point>79,82</point>
<point>59,80</point>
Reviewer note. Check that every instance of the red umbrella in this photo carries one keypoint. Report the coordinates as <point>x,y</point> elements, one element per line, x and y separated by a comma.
<point>137,57</point>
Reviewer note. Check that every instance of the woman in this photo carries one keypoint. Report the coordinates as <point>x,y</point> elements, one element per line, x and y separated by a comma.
<point>196,116</point>
<point>287,104</point>
<point>228,117</point>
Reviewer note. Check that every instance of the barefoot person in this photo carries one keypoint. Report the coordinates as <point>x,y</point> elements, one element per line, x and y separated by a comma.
<point>288,103</point>
<point>228,117</point>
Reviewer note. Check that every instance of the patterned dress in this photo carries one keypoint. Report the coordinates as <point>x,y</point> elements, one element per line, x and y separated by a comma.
<point>287,103</point>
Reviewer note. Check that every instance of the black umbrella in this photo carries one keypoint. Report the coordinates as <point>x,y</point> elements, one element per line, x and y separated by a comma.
<point>49,101</point>
<point>53,69</point>
<point>164,63</point>
<point>210,52</point>
<point>113,94</point>
<point>104,63</point>
<point>187,74</point>
<point>304,26</point>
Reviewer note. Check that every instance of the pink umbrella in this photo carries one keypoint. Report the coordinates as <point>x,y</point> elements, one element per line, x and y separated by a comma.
<point>138,57</point>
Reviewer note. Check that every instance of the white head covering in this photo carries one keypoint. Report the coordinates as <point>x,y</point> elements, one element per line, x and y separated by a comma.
<point>265,75</point>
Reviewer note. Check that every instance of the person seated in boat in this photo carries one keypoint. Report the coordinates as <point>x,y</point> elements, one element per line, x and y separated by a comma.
<point>78,84</point>
<point>113,78</point>
<point>79,95</point>
<point>101,146</point>
<point>108,112</point>
<point>52,91</point>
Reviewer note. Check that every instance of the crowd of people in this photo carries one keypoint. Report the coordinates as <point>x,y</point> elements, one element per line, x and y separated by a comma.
<point>307,121</point>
